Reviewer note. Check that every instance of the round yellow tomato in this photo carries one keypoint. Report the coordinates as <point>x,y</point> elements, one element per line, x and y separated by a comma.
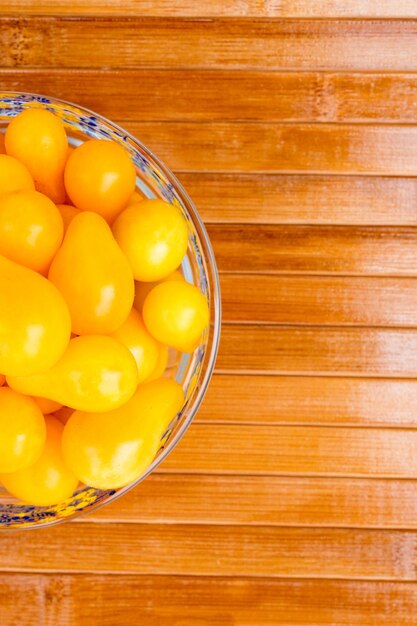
<point>100,177</point>
<point>154,237</point>
<point>14,176</point>
<point>176,314</point>
<point>31,229</point>
<point>22,431</point>
<point>37,138</point>
<point>47,481</point>
<point>142,289</point>
<point>144,348</point>
<point>110,450</point>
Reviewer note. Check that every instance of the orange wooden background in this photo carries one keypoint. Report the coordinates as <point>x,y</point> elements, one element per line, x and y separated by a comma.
<point>293,498</point>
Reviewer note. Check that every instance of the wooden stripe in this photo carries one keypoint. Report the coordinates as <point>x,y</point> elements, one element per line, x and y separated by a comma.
<point>24,595</point>
<point>198,601</point>
<point>286,148</point>
<point>196,95</point>
<point>319,300</point>
<point>215,551</point>
<point>260,500</point>
<point>149,95</point>
<point>339,8</point>
<point>298,450</point>
<point>302,400</point>
<point>218,8</point>
<point>330,350</point>
<point>211,43</point>
<point>281,199</point>
<point>302,199</point>
<point>312,249</point>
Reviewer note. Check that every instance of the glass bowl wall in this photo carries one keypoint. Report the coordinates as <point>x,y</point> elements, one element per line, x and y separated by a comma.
<point>192,371</point>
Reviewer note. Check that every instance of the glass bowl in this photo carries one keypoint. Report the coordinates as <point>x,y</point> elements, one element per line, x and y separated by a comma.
<point>192,371</point>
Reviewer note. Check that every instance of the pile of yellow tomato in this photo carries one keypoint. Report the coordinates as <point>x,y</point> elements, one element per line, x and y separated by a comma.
<point>90,300</point>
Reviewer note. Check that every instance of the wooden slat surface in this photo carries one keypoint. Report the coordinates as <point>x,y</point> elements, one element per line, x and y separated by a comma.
<point>218,8</point>
<point>303,199</point>
<point>335,351</point>
<point>273,148</point>
<point>187,601</point>
<point>291,501</point>
<point>311,249</point>
<point>320,300</point>
<point>314,400</point>
<point>261,96</point>
<point>217,550</point>
<point>264,500</point>
<point>209,43</point>
<point>258,449</point>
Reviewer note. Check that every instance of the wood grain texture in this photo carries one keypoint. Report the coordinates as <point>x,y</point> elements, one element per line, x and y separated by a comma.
<point>282,148</point>
<point>21,595</point>
<point>215,551</point>
<point>298,450</point>
<point>334,351</point>
<point>266,500</point>
<point>291,500</point>
<point>260,96</point>
<point>319,300</point>
<point>310,400</point>
<point>286,148</point>
<point>71,600</point>
<point>218,8</point>
<point>210,43</point>
<point>303,199</point>
<point>310,249</point>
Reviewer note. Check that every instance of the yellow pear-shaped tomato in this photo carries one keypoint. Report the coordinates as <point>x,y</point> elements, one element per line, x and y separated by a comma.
<point>22,431</point>
<point>96,373</point>
<point>176,314</point>
<point>161,364</point>
<point>145,349</point>
<point>35,323</point>
<point>142,289</point>
<point>109,450</point>
<point>93,276</point>
<point>48,480</point>
<point>31,229</point>
<point>68,213</point>
<point>37,138</point>
<point>2,379</point>
<point>47,406</point>
<point>100,177</point>
<point>14,176</point>
<point>154,236</point>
